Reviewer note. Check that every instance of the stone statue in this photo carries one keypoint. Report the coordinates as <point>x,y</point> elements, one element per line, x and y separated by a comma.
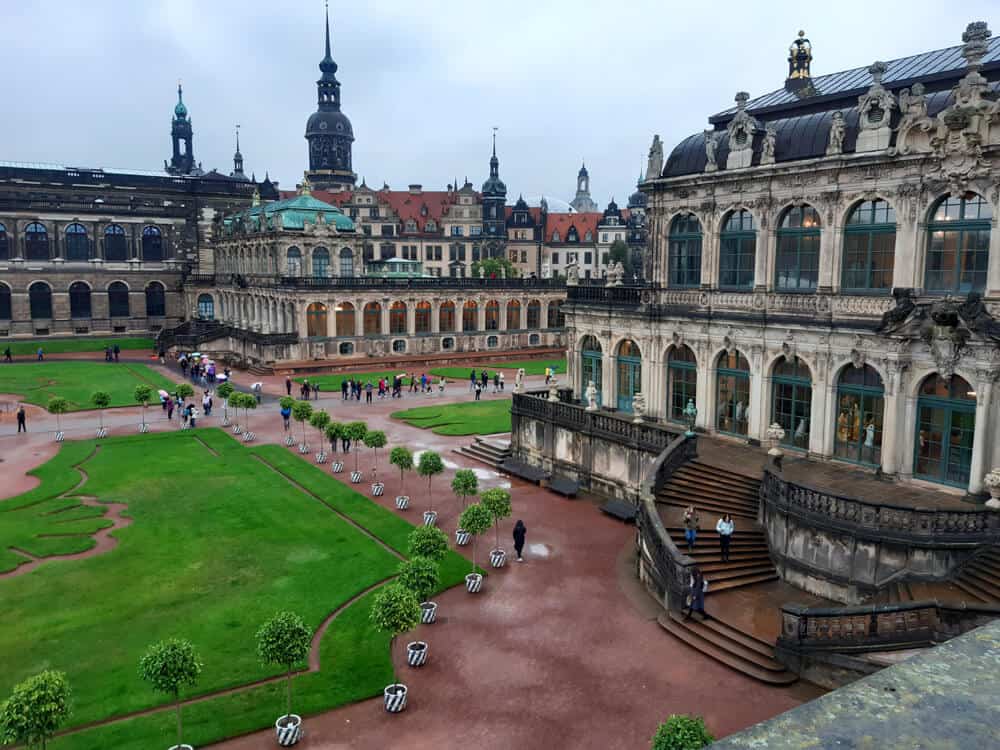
<point>835,145</point>
<point>894,318</point>
<point>591,396</point>
<point>616,274</point>
<point>519,380</point>
<point>767,147</point>
<point>572,274</point>
<point>638,407</point>
<point>654,165</point>
<point>553,390</point>
<point>711,145</point>
<point>977,318</point>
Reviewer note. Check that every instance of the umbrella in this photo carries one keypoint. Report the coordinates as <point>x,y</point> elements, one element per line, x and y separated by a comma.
<point>195,354</point>
<point>163,393</point>
<point>221,377</point>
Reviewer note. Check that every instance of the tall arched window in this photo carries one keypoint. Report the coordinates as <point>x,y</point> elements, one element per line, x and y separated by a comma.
<point>858,422</point>
<point>373,318</point>
<point>77,242</point>
<point>958,245</point>
<point>470,316</point>
<point>791,400</point>
<point>156,300</point>
<point>5,306</point>
<point>4,243</point>
<point>869,247</point>
<point>118,306</point>
<point>555,317</point>
<point>732,383</point>
<point>152,244</point>
<point>946,423</point>
<point>422,317</point>
<point>397,317</point>
<point>682,381</point>
<point>40,301</point>
<point>79,300</point>
<point>513,315</point>
<point>346,262</point>
<point>534,315</point>
<point>293,261</point>
<point>206,307</point>
<point>320,262</point>
<point>316,319</point>
<point>629,373</point>
<point>446,317</point>
<point>591,367</point>
<point>492,315</point>
<point>737,248</point>
<point>36,241</point>
<point>685,251</point>
<point>345,319</point>
<point>115,244</point>
<point>797,260</point>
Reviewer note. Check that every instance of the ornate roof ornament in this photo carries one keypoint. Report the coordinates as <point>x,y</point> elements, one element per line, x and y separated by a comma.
<point>711,146</point>
<point>741,129</point>
<point>654,163</point>
<point>799,78</point>
<point>976,38</point>
<point>875,108</point>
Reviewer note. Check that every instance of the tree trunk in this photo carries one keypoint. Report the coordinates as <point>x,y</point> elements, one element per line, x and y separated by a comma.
<point>496,522</point>
<point>177,700</point>
<point>288,710</point>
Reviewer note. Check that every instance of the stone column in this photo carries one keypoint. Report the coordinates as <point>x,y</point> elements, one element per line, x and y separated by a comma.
<point>894,441</point>
<point>981,436</point>
<point>608,397</point>
<point>906,253</point>
<point>436,316</point>
<point>760,404</point>
<point>503,315</point>
<point>705,400</point>
<point>993,269</point>
<point>818,427</point>
<point>359,318</point>
<point>411,317</point>
<point>385,315</point>
<point>763,252</point>
<point>480,315</point>
<point>827,251</point>
<point>909,433</point>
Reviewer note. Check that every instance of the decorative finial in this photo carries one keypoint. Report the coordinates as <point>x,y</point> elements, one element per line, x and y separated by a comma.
<point>237,138</point>
<point>976,39</point>
<point>876,70</point>
<point>306,187</point>
<point>799,58</point>
<point>742,97</point>
<point>494,140</point>
<point>255,201</point>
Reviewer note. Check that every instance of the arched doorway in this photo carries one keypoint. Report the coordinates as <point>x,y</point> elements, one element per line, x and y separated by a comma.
<point>629,381</point>
<point>446,317</point>
<point>373,319</point>
<point>397,317</point>
<point>422,317</point>
<point>118,303</point>
<point>946,421</point>
<point>470,315</point>
<point>492,315</point>
<point>791,400</point>
<point>156,300</point>
<point>591,368</point>
<point>345,319</point>
<point>316,319</point>
<point>732,384</point>
<point>534,315</point>
<point>858,421</point>
<point>682,381</point>
<point>40,301</point>
<point>513,315</point>
<point>79,300</point>
<point>152,244</point>
<point>206,307</point>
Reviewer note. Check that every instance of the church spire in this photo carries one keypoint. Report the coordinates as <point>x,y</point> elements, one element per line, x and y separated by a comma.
<point>237,172</point>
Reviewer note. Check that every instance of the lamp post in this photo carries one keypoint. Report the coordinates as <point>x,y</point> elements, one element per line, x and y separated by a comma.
<point>690,414</point>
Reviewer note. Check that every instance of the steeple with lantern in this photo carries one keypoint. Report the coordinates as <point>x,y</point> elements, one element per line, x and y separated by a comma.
<point>182,135</point>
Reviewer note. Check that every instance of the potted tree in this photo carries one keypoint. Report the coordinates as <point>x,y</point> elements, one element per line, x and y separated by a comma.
<point>248,401</point>
<point>356,432</point>
<point>58,406</point>
<point>224,391</point>
<point>319,420</point>
<point>102,400</point>
<point>168,666</point>
<point>301,411</point>
<point>475,519</point>
<point>287,402</point>
<point>375,439</point>
<point>142,394</point>
<point>464,484</point>
<point>236,401</point>
<point>421,576</point>
<point>402,458</point>
<point>429,465</point>
<point>35,710</point>
<point>497,502</point>
<point>183,391</point>
<point>680,732</point>
<point>334,431</point>
<point>284,640</point>
<point>395,611</point>
<point>429,543</point>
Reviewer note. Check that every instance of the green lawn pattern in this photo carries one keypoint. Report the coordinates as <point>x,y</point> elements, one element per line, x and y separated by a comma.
<point>531,367</point>
<point>22,348</point>
<point>37,382</point>
<point>469,418</point>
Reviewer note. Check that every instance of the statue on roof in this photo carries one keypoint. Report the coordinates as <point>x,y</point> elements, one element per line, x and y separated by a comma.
<point>767,146</point>
<point>654,164</point>
<point>711,146</point>
<point>838,127</point>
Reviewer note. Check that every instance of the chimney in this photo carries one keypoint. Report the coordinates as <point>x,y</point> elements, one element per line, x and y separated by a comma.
<point>416,189</point>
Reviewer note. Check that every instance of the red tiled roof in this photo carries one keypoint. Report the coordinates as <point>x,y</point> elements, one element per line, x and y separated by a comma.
<point>584,222</point>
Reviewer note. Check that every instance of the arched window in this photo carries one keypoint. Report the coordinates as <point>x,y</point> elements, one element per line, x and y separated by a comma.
<point>397,317</point>
<point>492,342</point>
<point>591,368</point>
<point>115,244</point>
<point>206,307</point>
<point>5,306</point>
<point>534,339</point>
<point>732,383</point>
<point>797,260</point>
<point>791,400</point>
<point>79,300</point>
<point>316,316</point>
<point>534,315</point>
<point>492,315</point>
<point>320,262</point>
<point>446,317</point>
<point>346,262</point>
<point>858,422</point>
<point>682,381</point>
<point>4,243</point>
<point>946,422</point>
<point>470,316</point>
<point>345,319</point>
<point>555,236</point>
<point>555,316</point>
<point>118,306</point>
<point>373,318</point>
<point>629,373</point>
<point>737,248</point>
<point>958,245</point>
<point>685,251</point>
<point>40,301</point>
<point>156,300</point>
<point>152,244</point>
<point>422,317</point>
<point>293,261</point>
<point>36,242</point>
<point>77,242</point>
<point>399,346</point>
<point>513,315</point>
<point>869,247</point>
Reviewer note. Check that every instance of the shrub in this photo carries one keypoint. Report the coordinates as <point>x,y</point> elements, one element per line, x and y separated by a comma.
<point>58,406</point>
<point>301,411</point>
<point>225,390</point>
<point>375,439</point>
<point>497,502</point>
<point>320,420</point>
<point>35,709</point>
<point>421,576</point>
<point>475,519</point>
<point>680,732</point>
<point>464,484</point>
<point>184,391</point>
<point>356,432</point>
<point>284,640</point>
<point>402,458</point>
<point>395,611</point>
<point>429,542</point>
<point>429,465</point>
<point>102,400</point>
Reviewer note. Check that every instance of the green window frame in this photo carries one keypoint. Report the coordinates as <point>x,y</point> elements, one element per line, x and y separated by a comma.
<point>737,251</point>
<point>591,366</point>
<point>320,263</point>
<point>791,401</point>
<point>858,418</point>
<point>682,381</point>
<point>958,245</point>
<point>629,376</point>
<point>945,431</point>
<point>796,267</point>
<point>732,379</point>
<point>869,248</point>
<point>685,251</point>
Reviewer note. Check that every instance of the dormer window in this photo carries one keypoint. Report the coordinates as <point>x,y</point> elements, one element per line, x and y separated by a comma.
<point>430,226</point>
<point>555,236</point>
<point>588,237</point>
<point>411,225</point>
<point>423,210</point>
<point>572,236</point>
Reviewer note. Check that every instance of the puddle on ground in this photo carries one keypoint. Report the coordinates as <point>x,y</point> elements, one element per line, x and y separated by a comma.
<point>540,550</point>
<point>484,474</point>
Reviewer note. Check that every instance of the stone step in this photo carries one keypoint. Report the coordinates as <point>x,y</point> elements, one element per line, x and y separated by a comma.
<point>679,496</point>
<point>973,591</point>
<point>715,566</point>
<point>711,509</point>
<point>709,489</point>
<point>724,471</point>
<point>706,556</point>
<point>983,580</point>
<point>715,585</point>
<point>749,535</point>
<point>719,477</point>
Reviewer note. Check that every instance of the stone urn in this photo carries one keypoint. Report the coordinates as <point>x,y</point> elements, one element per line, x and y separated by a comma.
<point>395,698</point>
<point>775,434</point>
<point>462,537</point>
<point>428,612</point>
<point>430,517</point>
<point>416,653</point>
<point>992,482</point>
<point>402,502</point>
<point>498,557</point>
<point>474,582</point>
<point>288,729</point>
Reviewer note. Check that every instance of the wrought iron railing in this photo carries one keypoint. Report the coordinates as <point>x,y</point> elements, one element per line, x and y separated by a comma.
<point>613,296</point>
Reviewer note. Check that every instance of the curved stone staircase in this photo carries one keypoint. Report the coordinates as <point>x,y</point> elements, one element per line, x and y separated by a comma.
<point>978,582</point>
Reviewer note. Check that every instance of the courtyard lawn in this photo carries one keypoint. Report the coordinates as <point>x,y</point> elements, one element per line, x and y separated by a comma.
<point>222,537</point>
<point>37,382</point>
<point>531,367</point>
<point>469,418</point>
<point>22,348</point>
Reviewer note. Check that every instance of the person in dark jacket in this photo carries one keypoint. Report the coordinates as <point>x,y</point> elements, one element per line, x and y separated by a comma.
<point>519,531</point>
<point>697,586</point>
<point>21,419</point>
<point>288,386</point>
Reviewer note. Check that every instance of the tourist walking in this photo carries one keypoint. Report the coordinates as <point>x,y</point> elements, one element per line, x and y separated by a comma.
<point>472,379</point>
<point>697,586</point>
<point>7,355</point>
<point>286,415</point>
<point>288,385</point>
<point>485,378</point>
<point>315,393</point>
<point>479,390</point>
<point>258,389</point>
<point>519,531</point>
<point>170,407</point>
<point>21,419</point>
<point>41,354</point>
<point>368,392</point>
<point>725,527</point>
<point>194,415</point>
<point>496,382</point>
<point>500,377</point>
<point>206,403</point>
<point>691,522</point>
<point>441,384</point>
<point>117,351</point>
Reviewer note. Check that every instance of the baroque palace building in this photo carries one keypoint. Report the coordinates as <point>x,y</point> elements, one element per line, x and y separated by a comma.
<point>825,257</point>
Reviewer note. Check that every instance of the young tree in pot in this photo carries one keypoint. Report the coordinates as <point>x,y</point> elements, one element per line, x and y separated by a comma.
<point>301,411</point>
<point>429,542</point>
<point>421,576</point>
<point>184,391</point>
<point>356,432</point>
<point>320,420</point>
<point>236,401</point>
<point>102,400</point>
<point>284,640</point>
<point>395,611</point>
<point>375,439</point>
<point>334,431</point>
<point>429,465</point>
<point>168,666</point>
<point>248,401</point>
<point>142,394</point>
<point>464,484</point>
<point>35,710</point>
<point>402,458</point>
<point>224,391</point>
<point>497,502</point>
<point>58,406</point>
<point>475,519</point>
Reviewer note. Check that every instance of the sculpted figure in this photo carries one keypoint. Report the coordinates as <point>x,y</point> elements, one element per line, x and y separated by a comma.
<point>591,396</point>
<point>838,126</point>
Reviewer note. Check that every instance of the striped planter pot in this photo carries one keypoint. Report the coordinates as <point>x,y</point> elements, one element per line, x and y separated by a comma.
<point>321,457</point>
<point>428,612</point>
<point>473,583</point>
<point>184,426</point>
<point>288,729</point>
<point>303,448</point>
<point>225,421</point>
<point>60,436</point>
<point>378,489</point>
<point>248,437</point>
<point>102,432</point>
<point>497,558</point>
<point>430,517</point>
<point>462,537</point>
<point>402,502</point>
<point>181,747</point>
<point>336,467</point>
<point>289,441</point>
<point>416,653</point>
<point>355,477</point>
<point>395,698</point>
<point>237,429</point>
<point>144,427</point>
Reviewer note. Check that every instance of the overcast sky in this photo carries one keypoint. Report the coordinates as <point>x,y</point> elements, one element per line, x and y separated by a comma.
<point>423,82</point>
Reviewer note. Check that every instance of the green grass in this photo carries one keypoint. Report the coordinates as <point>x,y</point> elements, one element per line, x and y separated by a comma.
<point>332,383</point>
<point>469,418</point>
<point>37,382</point>
<point>21,348</point>
<point>531,367</point>
<point>218,544</point>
